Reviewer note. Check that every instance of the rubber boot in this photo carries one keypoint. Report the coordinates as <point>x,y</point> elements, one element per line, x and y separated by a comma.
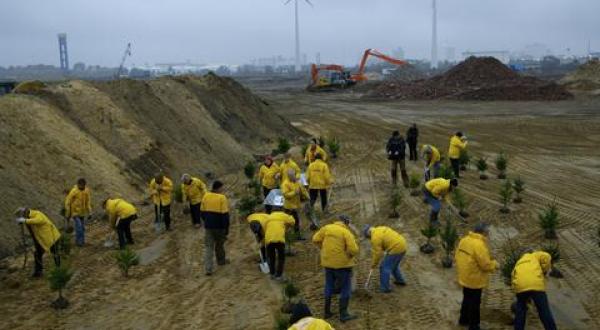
<point>394,177</point>
<point>328,314</point>
<point>344,315</point>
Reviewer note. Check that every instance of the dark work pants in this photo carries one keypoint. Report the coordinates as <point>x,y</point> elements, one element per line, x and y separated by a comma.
<point>313,197</point>
<point>214,245</point>
<point>338,279</point>
<point>395,163</point>
<point>413,150</point>
<point>39,254</point>
<point>266,191</point>
<point>296,216</point>
<point>276,258</point>
<point>541,304</point>
<point>124,231</point>
<point>195,213</point>
<point>469,309</point>
<point>166,214</point>
<point>455,166</point>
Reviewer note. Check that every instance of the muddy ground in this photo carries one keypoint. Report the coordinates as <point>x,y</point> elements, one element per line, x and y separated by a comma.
<point>552,146</point>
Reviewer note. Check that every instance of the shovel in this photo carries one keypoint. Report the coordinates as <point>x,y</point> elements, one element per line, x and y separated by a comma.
<point>263,265</point>
<point>368,280</point>
<point>109,242</point>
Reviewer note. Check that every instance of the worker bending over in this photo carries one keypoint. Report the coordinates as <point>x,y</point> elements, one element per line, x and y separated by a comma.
<point>432,158</point>
<point>302,319</point>
<point>267,176</point>
<point>528,283</point>
<point>312,151</point>
<point>294,193</point>
<point>44,234</point>
<point>258,226</point>
<point>473,267</point>
<point>78,207</point>
<point>385,240</point>
<point>193,190</point>
<point>436,190</point>
<point>161,188</point>
<point>319,180</point>
<point>275,228</point>
<point>338,256</point>
<point>120,215</point>
<point>458,144</point>
<point>215,213</point>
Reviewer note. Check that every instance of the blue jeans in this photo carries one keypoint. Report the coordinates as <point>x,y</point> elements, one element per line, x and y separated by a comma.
<point>541,304</point>
<point>390,266</point>
<point>79,224</point>
<point>435,203</point>
<point>342,278</point>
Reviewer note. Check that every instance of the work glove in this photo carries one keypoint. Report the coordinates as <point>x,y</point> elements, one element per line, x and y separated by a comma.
<point>21,220</point>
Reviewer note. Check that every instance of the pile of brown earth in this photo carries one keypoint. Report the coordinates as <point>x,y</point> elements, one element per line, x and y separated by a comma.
<point>118,134</point>
<point>476,78</point>
<point>585,79</point>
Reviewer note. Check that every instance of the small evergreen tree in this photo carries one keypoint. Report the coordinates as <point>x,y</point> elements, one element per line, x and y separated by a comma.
<point>512,254</point>
<point>283,146</point>
<point>282,322</point>
<point>290,291</point>
<point>482,168</point>
<point>396,200</point>
<point>518,187</point>
<point>58,278</point>
<point>126,259</point>
<point>429,232</point>
<point>414,183</point>
<point>246,206</point>
<point>446,171</point>
<point>464,159</point>
<point>460,201</point>
<point>449,237</point>
<point>505,196</point>
<point>501,165</point>
<point>65,243</point>
<point>554,251</point>
<point>334,147</point>
<point>250,170</point>
<point>549,220</point>
<point>177,194</point>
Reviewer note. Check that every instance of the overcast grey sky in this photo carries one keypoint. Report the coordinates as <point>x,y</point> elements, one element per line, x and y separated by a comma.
<point>235,31</point>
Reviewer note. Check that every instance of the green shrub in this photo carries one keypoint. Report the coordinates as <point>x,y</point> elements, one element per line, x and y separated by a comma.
<point>250,170</point>
<point>290,290</point>
<point>247,205</point>
<point>549,220</point>
<point>464,159</point>
<point>482,166</point>
<point>282,322</point>
<point>505,195</point>
<point>512,254</point>
<point>460,201</point>
<point>429,232</point>
<point>334,147</point>
<point>58,278</point>
<point>518,187</point>
<point>446,171</point>
<point>414,182</point>
<point>177,194</point>
<point>283,146</point>
<point>65,243</point>
<point>126,258</point>
<point>501,165</point>
<point>396,200</point>
<point>449,237</point>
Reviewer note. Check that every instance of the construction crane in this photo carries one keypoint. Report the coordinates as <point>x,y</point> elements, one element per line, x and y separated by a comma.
<point>360,76</point>
<point>121,66</point>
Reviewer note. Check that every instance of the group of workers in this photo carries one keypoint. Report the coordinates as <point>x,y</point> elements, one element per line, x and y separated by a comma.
<point>337,241</point>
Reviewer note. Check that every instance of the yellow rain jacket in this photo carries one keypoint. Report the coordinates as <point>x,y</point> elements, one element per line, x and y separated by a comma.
<point>78,203</point>
<point>529,271</point>
<point>118,209</point>
<point>311,323</point>
<point>473,261</point>
<point>292,200</point>
<point>275,227</point>
<point>309,157</point>
<point>338,246</point>
<point>262,219</point>
<point>44,231</point>
<point>289,165</point>
<point>456,145</point>
<point>439,187</point>
<point>193,192</point>
<point>165,192</point>
<point>435,156</point>
<point>318,175</point>
<point>385,239</point>
<point>267,176</point>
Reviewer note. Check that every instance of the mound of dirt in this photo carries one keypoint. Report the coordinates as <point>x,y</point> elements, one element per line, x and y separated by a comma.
<point>585,79</point>
<point>476,78</point>
<point>118,134</point>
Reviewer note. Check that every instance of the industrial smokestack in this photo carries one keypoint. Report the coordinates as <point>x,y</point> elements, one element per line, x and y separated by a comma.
<point>62,48</point>
<point>434,50</point>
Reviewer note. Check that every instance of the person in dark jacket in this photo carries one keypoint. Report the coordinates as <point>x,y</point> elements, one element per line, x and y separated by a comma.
<point>411,138</point>
<point>396,151</point>
<point>214,210</point>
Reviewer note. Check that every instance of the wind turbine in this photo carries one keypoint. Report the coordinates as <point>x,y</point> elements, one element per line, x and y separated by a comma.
<point>298,67</point>
<point>434,49</point>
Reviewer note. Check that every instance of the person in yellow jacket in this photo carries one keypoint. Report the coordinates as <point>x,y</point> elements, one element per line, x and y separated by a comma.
<point>386,240</point>
<point>215,213</point>
<point>473,266</point>
<point>258,226</point>
<point>44,234</point>
<point>458,143</point>
<point>433,159</point>
<point>120,215</point>
<point>193,190</point>
<point>319,180</point>
<point>161,188</point>
<point>293,194</point>
<point>436,190</point>
<point>268,175</point>
<point>528,284</point>
<point>275,228</point>
<point>78,206</point>
<point>302,319</point>
<point>288,164</point>
<point>338,256</point>
<point>312,151</point>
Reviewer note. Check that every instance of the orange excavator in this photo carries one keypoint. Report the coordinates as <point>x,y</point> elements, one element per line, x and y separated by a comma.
<point>333,76</point>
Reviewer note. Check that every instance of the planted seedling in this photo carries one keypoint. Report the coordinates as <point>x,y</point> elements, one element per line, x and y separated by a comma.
<point>446,171</point>
<point>518,187</point>
<point>464,159</point>
<point>512,254</point>
<point>459,200</point>
<point>64,245</point>
<point>482,167</point>
<point>58,279</point>
<point>291,237</point>
<point>290,292</point>
<point>449,237</point>
<point>177,194</point>
<point>283,146</point>
<point>549,220</point>
<point>414,182</point>
<point>126,259</point>
<point>501,165</point>
<point>396,199</point>
<point>334,147</point>
<point>505,196</point>
<point>429,232</point>
<point>246,206</point>
<point>554,251</point>
<point>250,170</point>
<point>282,322</point>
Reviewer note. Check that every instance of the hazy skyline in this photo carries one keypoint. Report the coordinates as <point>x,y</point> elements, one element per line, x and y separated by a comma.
<point>236,31</point>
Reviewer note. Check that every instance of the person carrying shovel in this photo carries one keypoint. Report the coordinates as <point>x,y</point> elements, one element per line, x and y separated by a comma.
<point>193,189</point>
<point>120,215</point>
<point>78,206</point>
<point>258,226</point>
<point>160,189</point>
<point>385,240</point>
<point>44,234</point>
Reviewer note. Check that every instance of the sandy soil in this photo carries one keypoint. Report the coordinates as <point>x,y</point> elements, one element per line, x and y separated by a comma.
<point>551,145</point>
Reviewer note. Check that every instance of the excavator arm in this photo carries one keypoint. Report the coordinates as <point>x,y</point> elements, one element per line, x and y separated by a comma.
<point>360,75</point>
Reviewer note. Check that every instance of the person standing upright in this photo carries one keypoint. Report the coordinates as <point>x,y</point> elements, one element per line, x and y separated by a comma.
<point>44,234</point>
<point>215,213</point>
<point>396,151</point>
<point>312,151</point>
<point>288,164</point>
<point>458,144</point>
<point>160,189</point>
<point>293,194</point>
<point>412,137</point>
<point>78,206</point>
<point>193,190</point>
<point>268,175</point>
<point>319,179</point>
